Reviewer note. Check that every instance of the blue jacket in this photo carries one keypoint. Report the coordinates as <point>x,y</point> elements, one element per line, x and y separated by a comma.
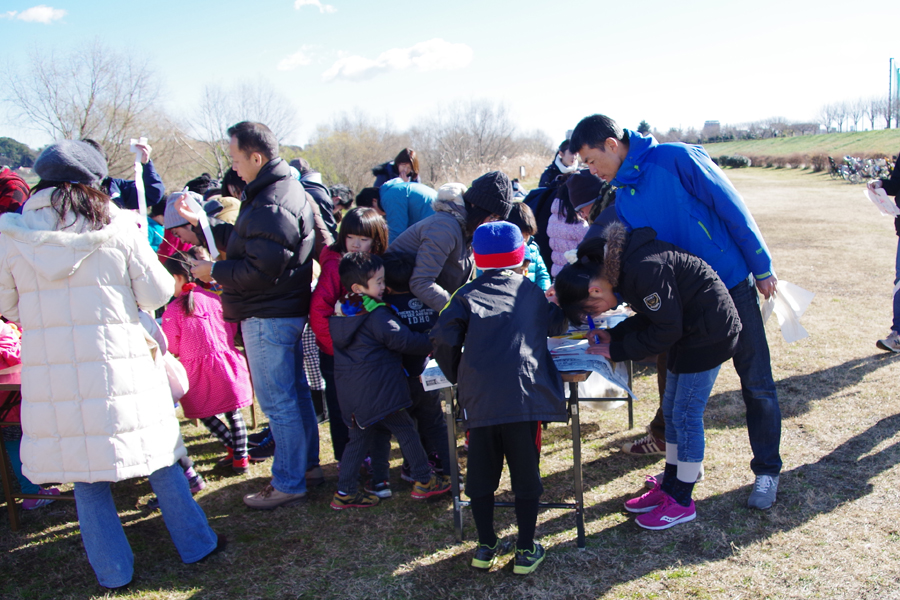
<point>405,204</point>
<point>123,192</point>
<point>680,193</point>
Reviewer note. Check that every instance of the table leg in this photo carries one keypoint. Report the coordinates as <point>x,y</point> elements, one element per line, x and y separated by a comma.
<point>454,466</point>
<point>576,454</point>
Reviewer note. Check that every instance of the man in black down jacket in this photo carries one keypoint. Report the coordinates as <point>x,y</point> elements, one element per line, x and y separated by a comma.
<point>266,288</point>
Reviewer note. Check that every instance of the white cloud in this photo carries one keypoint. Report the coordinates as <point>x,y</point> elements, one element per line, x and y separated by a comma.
<point>297,59</point>
<point>36,14</point>
<point>433,55</point>
<point>323,8</point>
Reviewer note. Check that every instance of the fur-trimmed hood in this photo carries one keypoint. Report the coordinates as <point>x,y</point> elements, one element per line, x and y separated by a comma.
<point>55,250</point>
<point>616,237</point>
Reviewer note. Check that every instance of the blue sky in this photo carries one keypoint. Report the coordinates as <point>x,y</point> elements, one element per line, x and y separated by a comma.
<point>552,62</point>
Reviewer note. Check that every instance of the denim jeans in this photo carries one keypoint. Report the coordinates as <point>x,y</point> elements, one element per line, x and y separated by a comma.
<point>275,355</point>
<point>895,324</point>
<point>683,406</point>
<point>104,539</point>
<point>754,367</point>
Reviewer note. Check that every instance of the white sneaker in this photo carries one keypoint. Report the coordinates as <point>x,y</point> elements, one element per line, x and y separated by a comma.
<point>891,343</point>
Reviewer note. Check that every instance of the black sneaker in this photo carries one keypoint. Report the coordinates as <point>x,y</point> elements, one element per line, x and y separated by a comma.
<point>528,560</point>
<point>264,451</point>
<point>255,439</point>
<point>486,556</point>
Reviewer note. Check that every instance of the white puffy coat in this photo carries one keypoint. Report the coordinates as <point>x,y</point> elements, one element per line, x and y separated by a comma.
<point>95,407</point>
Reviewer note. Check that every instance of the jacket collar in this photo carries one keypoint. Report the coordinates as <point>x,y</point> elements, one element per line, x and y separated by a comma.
<point>273,171</point>
<point>638,148</point>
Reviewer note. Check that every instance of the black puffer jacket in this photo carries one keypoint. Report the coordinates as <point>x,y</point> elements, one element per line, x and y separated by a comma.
<point>368,368</point>
<point>506,374</point>
<point>682,306</point>
<point>268,271</point>
<point>892,188</point>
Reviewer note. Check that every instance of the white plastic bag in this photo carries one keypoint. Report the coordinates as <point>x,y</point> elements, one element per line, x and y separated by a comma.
<point>788,303</point>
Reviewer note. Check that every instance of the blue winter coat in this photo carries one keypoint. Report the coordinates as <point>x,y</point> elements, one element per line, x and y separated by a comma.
<point>679,192</point>
<point>405,204</point>
<point>123,192</point>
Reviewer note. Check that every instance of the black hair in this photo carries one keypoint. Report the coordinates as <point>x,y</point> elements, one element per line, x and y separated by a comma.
<point>254,137</point>
<point>79,198</point>
<point>202,183</point>
<point>593,131</point>
<point>213,191</point>
<point>367,197</point>
<point>398,270</point>
<point>522,217</point>
<point>358,268</point>
<point>158,209</point>
<point>341,195</point>
<point>408,156</point>
<point>232,183</point>
<point>365,222</point>
<point>566,208</point>
<point>96,146</point>
<point>573,282</point>
<point>475,216</point>
<point>179,264</point>
<point>564,147</point>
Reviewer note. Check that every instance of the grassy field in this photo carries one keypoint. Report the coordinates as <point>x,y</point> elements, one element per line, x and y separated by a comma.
<point>831,534</point>
<point>885,141</point>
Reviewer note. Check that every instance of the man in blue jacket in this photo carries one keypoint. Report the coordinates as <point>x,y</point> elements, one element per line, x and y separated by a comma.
<point>679,192</point>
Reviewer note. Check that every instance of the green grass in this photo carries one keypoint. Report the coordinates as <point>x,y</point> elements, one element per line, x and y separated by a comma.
<point>885,141</point>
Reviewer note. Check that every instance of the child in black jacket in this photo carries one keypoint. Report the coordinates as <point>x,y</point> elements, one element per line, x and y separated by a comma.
<point>368,370</point>
<point>507,383</point>
<point>682,307</point>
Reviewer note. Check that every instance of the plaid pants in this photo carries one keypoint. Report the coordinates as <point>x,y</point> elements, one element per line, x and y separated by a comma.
<point>236,438</point>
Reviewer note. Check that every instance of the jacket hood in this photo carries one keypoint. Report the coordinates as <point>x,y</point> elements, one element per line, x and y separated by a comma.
<point>456,210</point>
<point>618,243</point>
<point>56,254</point>
<point>638,147</point>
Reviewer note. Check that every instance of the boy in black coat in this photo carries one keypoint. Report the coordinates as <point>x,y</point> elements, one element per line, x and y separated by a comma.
<point>508,384</point>
<point>368,371</point>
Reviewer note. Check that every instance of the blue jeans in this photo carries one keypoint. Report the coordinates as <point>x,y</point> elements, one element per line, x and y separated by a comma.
<point>683,406</point>
<point>104,539</point>
<point>754,367</point>
<point>275,355</point>
<point>895,324</point>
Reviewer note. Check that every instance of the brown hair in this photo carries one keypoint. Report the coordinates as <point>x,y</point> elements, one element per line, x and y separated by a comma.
<point>408,156</point>
<point>365,222</point>
<point>83,200</point>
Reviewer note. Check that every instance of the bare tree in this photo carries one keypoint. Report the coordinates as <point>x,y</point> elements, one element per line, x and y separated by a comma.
<point>463,138</point>
<point>90,92</point>
<point>856,110</point>
<point>219,109</point>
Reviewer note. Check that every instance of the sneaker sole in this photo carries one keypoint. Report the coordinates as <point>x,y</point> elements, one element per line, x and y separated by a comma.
<point>293,502</point>
<point>483,565</point>
<point>652,453</point>
<point>520,570</point>
<point>640,510</point>
<point>683,519</point>
<point>431,494</point>
<point>384,495</point>
<point>885,347</point>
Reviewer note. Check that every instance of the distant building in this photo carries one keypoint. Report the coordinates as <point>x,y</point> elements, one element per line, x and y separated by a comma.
<point>711,129</point>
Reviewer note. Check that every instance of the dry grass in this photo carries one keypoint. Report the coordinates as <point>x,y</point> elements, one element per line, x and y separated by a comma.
<point>832,534</point>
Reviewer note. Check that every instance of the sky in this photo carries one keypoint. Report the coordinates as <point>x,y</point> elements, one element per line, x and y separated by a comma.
<point>673,64</point>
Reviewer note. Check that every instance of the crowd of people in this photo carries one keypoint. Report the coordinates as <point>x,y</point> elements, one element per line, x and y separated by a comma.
<point>323,304</point>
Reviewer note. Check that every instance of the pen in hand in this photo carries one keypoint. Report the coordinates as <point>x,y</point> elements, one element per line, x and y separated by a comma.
<point>593,327</point>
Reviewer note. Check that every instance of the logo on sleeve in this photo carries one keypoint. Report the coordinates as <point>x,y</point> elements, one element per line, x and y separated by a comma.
<point>653,302</point>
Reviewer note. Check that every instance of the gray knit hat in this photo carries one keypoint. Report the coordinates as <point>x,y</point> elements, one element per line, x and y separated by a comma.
<point>71,161</point>
<point>492,192</point>
<point>172,219</point>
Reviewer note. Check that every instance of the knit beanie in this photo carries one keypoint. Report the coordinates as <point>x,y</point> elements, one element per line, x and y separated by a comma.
<point>171,218</point>
<point>492,192</point>
<point>71,161</point>
<point>498,245</point>
<point>452,192</point>
<point>584,188</point>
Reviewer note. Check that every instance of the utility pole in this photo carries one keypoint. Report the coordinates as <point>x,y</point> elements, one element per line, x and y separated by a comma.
<point>890,106</point>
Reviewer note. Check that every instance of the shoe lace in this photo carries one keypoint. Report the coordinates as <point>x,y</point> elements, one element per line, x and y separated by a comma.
<point>763,483</point>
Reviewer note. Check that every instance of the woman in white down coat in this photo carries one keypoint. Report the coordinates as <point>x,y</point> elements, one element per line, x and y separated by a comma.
<point>74,269</point>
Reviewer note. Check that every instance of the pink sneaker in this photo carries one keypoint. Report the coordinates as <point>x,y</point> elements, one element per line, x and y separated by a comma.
<point>647,502</point>
<point>667,514</point>
<point>33,503</point>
